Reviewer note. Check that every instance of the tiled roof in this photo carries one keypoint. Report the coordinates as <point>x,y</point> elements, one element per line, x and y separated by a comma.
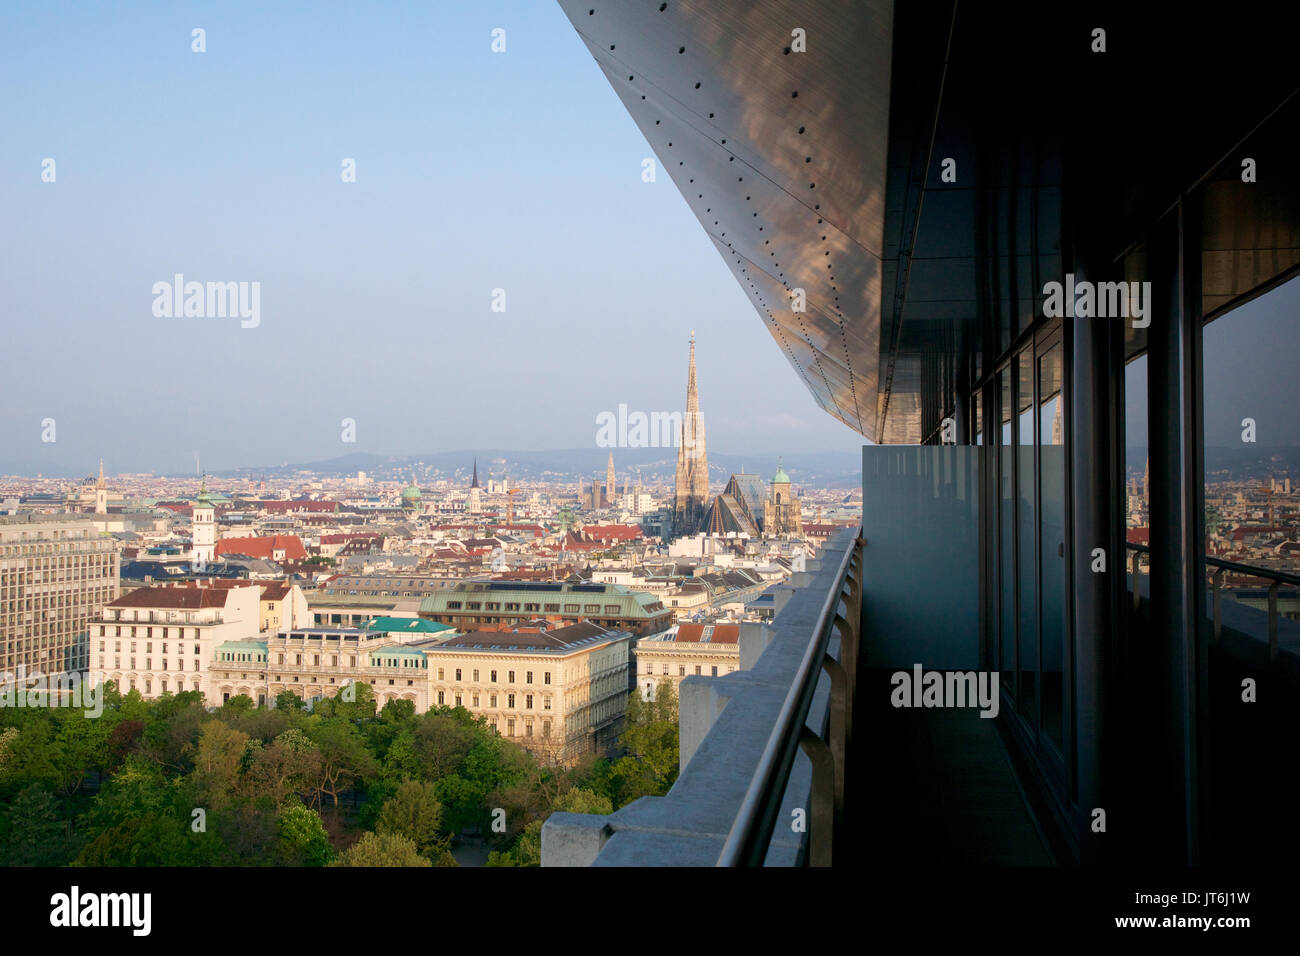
<point>264,547</point>
<point>708,634</point>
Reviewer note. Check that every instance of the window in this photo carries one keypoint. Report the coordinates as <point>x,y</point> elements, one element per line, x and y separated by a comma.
<point>476,674</point>
<point>715,670</point>
<point>528,701</point>
<point>546,677</point>
<point>510,728</point>
<point>591,609</point>
<point>546,703</point>
<point>458,700</point>
<point>442,697</point>
<point>441,673</point>
<point>529,676</point>
<point>571,608</point>
<point>474,701</point>
<point>457,673</point>
<point>494,676</point>
<point>554,608</point>
<point>511,675</point>
<point>510,700</point>
<point>453,605</point>
<point>681,670</point>
<point>697,670</point>
<point>492,700</point>
<point>611,609</point>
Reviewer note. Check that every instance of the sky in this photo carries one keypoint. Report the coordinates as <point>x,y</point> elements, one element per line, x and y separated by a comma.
<point>1252,360</point>
<point>475,171</point>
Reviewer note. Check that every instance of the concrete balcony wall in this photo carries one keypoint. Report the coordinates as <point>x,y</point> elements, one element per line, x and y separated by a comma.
<point>921,587</point>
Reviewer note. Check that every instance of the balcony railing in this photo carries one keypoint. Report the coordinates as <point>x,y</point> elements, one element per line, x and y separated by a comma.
<point>1216,589</point>
<point>763,749</point>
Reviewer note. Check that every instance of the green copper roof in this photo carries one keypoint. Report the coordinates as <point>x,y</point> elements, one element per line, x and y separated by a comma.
<point>405,625</point>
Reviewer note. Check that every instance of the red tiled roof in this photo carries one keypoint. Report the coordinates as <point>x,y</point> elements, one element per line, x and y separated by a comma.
<point>721,633</point>
<point>180,598</point>
<point>264,547</point>
<point>1139,536</point>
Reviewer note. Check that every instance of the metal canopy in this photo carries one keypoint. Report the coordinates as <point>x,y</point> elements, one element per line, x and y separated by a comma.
<point>780,155</point>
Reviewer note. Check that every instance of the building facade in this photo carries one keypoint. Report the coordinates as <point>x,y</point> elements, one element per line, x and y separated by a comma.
<point>163,639</point>
<point>691,650</point>
<point>504,603</point>
<point>56,573</point>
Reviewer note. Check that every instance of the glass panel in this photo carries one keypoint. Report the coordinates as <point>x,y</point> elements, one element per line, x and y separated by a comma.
<point>1006,540</point>
<point>1051,461</point>
<point>1026,539</point>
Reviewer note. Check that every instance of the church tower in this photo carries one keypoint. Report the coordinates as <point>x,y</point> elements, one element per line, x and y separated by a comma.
<point>691,496</point>
<point>101,492</point>
<point>781,511</point>
<point>609,480</point>
<point>475,503</point>
<point>204,527</point>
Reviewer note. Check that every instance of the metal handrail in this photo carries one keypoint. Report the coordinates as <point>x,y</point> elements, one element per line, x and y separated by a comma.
<point>1216,590</point>
<point>751,832</point>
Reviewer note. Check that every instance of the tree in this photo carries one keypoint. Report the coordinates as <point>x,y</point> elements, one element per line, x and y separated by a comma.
<point>414,812</point>
<point>344,758</point>
<point>288,700</point>
<point>578,800</point>
<point>382,849</point>
<point>217,763</point>
<point>303,840</point>
<point>527,850</point>
<point>291,764</point>
<point>31,833</point>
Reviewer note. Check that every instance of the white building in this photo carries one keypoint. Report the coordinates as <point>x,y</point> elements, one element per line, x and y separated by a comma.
<point>162,639</point>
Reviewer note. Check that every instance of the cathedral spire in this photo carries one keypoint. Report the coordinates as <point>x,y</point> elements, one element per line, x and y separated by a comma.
<point>474,483</point>
<point>692,486</point>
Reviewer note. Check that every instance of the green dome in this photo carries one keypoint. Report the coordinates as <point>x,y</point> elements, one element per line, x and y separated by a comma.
<point>781,477</point>
<point>410,493</point>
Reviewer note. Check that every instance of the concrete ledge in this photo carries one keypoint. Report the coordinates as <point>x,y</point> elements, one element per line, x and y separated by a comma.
<point>725,725</point>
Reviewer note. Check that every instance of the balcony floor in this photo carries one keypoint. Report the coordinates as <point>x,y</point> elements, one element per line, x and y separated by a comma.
<point>937,787</point>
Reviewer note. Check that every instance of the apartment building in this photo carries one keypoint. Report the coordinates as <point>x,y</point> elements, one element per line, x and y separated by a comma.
<point>690,650</point>
<point>56,573</point>
<point>162,639</point>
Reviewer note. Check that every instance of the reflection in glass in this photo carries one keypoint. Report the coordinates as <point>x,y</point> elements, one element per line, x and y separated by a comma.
<point>1006,540</point>
<point>1026,563</point>
<point>1051,455</point>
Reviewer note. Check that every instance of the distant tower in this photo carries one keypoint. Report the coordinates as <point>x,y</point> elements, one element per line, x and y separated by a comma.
<point>691,496</point>
<point>1146,483</point>
<point>204,528</point>
<point>781,512</point>
<point>101,492</point>
<point>609,479</point>
<point>475,492</point>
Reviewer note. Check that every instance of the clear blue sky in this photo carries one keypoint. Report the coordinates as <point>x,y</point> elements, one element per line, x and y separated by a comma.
<point>475,171</point>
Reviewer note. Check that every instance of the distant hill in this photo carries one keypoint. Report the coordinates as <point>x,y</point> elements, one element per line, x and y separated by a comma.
<point>824,469</point>
<point>1239,463</point>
